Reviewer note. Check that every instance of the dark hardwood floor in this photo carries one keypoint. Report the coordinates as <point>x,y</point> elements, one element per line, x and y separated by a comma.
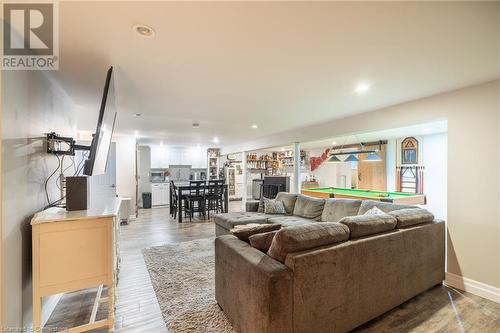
<point>440,309</point>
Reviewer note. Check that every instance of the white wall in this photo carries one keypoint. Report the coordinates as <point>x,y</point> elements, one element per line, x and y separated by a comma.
<point>126,169</point>
<point>434,152</point>
<point>33,104</point>
<point>144,167</point>
<point>331,174</point>
<point>390,164</point>
<point>432,155</point>
<point>473,212</point>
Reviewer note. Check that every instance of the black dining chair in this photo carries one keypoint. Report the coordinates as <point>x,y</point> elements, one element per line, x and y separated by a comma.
<point>215,196</point>
<point>270,191</point>
<point>174,205</point>
<point>195,199</point>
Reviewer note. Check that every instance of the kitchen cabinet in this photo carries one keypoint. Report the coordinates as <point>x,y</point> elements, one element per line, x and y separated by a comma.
<point>159,194</point>
<point>175,157</point>
<point>162,157</point>
<point>184,157</point>
<point>199,160</point>
<point>159,157</point>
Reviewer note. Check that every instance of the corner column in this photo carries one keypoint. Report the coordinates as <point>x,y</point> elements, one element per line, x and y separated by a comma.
<point>245,181</point>
<point>296,168</point>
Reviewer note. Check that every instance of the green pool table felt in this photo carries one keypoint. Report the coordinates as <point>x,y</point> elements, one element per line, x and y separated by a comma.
<point>360,193</point>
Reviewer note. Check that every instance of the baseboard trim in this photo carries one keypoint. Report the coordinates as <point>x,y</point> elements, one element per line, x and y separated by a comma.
<point>474,287</point>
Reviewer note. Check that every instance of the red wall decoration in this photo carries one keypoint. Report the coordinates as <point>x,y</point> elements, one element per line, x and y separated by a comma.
<point>315,162</point>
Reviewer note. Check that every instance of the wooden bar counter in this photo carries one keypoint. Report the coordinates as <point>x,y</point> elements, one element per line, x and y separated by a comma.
<point>73,251</point>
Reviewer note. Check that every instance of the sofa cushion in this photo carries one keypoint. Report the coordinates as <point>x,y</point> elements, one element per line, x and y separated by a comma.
<point>411,216</point>
<point>263,240</point>
<point>273,207</point>
<point>289,221</point>
<point>364,225</point>
<point>252,205</point>
<point>307,236</point>
<point>288,200</point>
<point>260,208</point>
<point>308,207</point>
<point>230,220</point>
<point>336,209</point>
<point>244,233</point>
<point>386,207</point>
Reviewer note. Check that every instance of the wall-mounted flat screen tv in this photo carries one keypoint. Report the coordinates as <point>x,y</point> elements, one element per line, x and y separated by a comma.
<point>101,141</point>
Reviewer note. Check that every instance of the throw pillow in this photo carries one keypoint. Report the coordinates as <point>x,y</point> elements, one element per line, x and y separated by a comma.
<point>262,241</point>
<point>244,233</point>
<point>374,211</point>
<point>273,206</point>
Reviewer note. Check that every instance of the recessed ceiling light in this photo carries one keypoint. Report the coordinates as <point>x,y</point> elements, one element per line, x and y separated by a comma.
<point>426,130</point>
<point>195,125</point>
<point>254,126</point>
<point>215,140</point>
<point>143,30</point>
<point>334,143</point>
<point>362,88</point>
<point>282,149</point>
<point>137,114</point>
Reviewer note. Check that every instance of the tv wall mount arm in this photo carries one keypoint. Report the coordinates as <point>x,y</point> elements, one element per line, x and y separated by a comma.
<point>60,145</point>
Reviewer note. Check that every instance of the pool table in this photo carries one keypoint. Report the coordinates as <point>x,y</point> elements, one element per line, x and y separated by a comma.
<point>394,197</point>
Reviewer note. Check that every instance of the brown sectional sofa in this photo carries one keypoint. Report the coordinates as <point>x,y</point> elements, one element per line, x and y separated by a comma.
<point>334,287</point>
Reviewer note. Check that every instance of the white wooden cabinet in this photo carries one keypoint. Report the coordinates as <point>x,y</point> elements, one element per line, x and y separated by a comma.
<point>155,194</point>
<point>76,250</point>
<point>200,160</point>
<point>162,157</point>
<point>185,157</point>
<point>174,157</point>
<point>159,157</point>
<point>159,194</point>
<point>239,187</point>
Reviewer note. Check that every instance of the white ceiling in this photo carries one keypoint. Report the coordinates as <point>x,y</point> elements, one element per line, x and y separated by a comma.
<point>280,65</point>
<point>431,128</point>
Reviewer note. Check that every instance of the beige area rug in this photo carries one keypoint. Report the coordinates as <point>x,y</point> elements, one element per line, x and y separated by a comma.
<point>183,279</point>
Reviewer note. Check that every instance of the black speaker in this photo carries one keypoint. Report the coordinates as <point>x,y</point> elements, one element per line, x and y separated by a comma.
<point>76,193</point>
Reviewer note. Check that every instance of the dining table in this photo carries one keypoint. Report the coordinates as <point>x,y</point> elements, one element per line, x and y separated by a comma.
<point>183,189</point>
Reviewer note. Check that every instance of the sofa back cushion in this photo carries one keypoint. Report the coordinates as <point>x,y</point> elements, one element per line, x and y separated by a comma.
<point>365,225</point>
<point>308,207</point>
<point>307,236</point>
<point>336,209</point>
<point>386,207</point>
<point>289,221</point>
<point>288,200</point>
<point>244,232</point>
<point>262,241</point>
<point>411,216</point>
